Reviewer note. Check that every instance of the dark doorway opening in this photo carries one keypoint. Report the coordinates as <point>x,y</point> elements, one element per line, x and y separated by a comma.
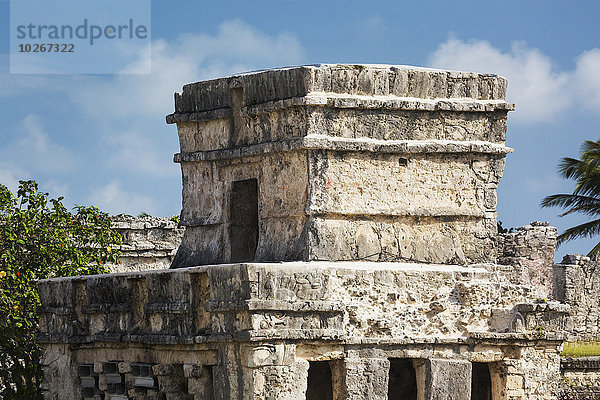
<point>319,381</point>
<point>402,380</point>
<point>243,217</point>
<point>481,382</point>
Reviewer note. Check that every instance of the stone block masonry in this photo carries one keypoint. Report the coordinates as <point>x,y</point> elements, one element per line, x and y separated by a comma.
<point>577,283</point>
<point>529,251</point>
<point>340,244</point>
<point>581,376</point>
<point>261,331</point>
<point>350,162</point>
<point>148,242</point>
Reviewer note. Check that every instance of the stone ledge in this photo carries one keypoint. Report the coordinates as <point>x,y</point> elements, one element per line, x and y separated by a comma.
<point>543,307</point>
<point>100,308</point>
<point>275,305</point>
<point>515,338</point>
<point>447,214</point>
<point>300,266</point>
<point>322,142</point>
<point>580,363</point>
<point>199,116</point>
<point>340,101</point>
<point>169,308</point>
<point>388,103</point>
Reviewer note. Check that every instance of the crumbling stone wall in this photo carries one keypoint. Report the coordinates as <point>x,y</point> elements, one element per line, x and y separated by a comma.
<point>577,283</point>
<point>581,376</point>
<point>254,329</point>
<point>148,242</point>
<point>529,251</point>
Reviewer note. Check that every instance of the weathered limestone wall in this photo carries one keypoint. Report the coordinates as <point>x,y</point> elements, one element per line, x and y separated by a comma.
<point>374,187</point>
<point>251,331</point>
<point>581,376</point>
<point>577,283</point>
<point>529,251</point>
<point>353,162</point>
<point>147,242</point>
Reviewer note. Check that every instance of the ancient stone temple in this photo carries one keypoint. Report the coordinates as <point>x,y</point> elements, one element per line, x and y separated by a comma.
<point>340,243</point>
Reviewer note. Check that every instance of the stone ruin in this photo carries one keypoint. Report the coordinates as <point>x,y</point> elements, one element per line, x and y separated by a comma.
<point>340,243</point>
<point>147,242</point>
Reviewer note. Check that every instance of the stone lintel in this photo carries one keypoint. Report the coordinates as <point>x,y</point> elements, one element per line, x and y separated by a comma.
<point>580,363</point>
<point>279,305</point>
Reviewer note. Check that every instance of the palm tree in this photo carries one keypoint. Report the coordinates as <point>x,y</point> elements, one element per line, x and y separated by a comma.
<point>586,196</point>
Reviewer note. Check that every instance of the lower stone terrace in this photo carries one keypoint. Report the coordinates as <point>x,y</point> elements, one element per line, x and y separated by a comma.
<point>355,330</point>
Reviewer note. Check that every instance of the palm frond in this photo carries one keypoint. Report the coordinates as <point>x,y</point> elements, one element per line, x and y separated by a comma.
<point>585,199</point>
<point>595,252</point>
<point>569,200</point>
<point>589,210</point>
<point>588,229</point>
<point>570,168</point>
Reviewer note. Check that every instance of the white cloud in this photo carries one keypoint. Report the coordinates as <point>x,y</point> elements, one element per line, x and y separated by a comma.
<point>129,109</point>
<point>371,25</point>
<point>587,79</point>
<point>113,199</point>
<point>36,150</point>
<point>236,47</point>
<point>15,85</point>
<point>56,189</point>
<point>10,176</point>
<point>136,153</point>
<point>539,90</point>
<point>122,116</point>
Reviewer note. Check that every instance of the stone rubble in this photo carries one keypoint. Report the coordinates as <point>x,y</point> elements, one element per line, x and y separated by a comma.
<point>147,242</point>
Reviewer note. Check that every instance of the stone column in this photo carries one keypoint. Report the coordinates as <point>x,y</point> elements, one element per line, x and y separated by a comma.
<point>360,378</point>
<point>440,379</point>
<point>60,373</point>
<point>260,371</point>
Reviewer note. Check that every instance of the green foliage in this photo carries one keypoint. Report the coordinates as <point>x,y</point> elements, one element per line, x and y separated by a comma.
<point>585,198</point>
<point>39,239</point>
<point>175,218</point>
<point>581,349</point>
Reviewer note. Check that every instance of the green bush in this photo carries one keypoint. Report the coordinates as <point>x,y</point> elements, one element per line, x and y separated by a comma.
<point>40,238</point>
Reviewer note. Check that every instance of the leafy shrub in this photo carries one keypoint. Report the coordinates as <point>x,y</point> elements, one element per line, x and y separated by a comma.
<point>40,238</point>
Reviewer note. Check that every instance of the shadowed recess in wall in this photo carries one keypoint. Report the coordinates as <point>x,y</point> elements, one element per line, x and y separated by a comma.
<point>243,231</point>
<point>403,381</point>
<point>481,382</point>
<point>319,381</point>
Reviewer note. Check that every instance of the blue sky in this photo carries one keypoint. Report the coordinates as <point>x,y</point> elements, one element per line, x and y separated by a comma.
<point>102,139</point>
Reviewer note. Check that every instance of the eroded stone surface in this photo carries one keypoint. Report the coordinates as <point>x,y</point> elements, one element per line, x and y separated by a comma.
<point>340,147</point>
<point>387,174</point>
<point>147,242</point>
<point>244,323</point>
<point>529,250</point>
